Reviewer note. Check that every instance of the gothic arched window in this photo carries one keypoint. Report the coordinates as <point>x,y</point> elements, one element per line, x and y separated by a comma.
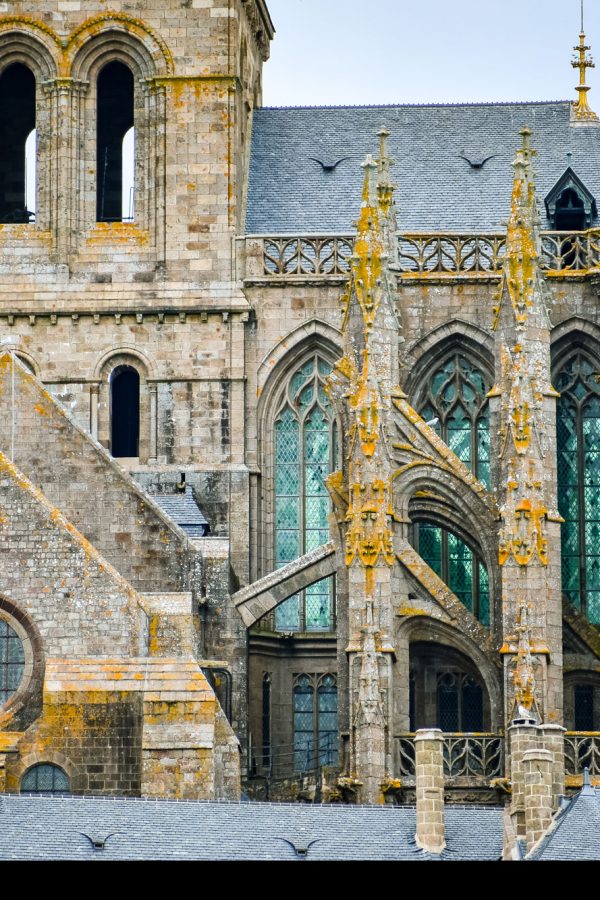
<point>304,456</point>
<point>454,402</point>
<point>315,723</point>
<point>455,396</point>
<point>578,460</point>
<point>458,566</point>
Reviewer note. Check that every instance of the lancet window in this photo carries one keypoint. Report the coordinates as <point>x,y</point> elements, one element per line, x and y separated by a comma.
<point>305,439</point>
<point>315,722</point>
<point>578,459</point>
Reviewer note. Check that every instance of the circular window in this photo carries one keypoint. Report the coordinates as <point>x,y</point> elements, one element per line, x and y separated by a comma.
<point>45,778</point>
<point>12,661</point>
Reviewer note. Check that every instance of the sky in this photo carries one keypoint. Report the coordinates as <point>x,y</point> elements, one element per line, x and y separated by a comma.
<point>338,52</point>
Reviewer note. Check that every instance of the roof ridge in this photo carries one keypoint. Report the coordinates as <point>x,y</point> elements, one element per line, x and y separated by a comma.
<point>464,103</point>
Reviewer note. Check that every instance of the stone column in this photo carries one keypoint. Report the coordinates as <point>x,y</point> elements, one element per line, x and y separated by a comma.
<point>553,739</point>
<point>429,773</point>
<point>522,738</point>
<point>153,389</point>
<point>94,393</point>
<point>538,779</point>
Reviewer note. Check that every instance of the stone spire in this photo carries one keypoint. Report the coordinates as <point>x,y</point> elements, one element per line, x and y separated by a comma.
<point>362,386</point>
<point>526,707</point>
<point>523,409</point>
<point>582,111</point>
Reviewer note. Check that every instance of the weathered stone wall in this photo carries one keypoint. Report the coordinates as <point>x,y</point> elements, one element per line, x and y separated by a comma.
<point>80,605</point>
<point>87,485</point>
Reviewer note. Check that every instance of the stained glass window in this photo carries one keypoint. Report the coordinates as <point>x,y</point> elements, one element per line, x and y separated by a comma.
<point>45,779</point>
<point>304,701</point>
<point>315,724</point>
<point>304,456</point>
<point>12,661</point>
<point>460,702</point>
<point>456,397</point>
<point>458,566</point>
<point>578,461</point>
<point>455,404</point>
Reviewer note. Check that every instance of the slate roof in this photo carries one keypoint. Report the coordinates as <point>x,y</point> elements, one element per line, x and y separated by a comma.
<point>575,833</point>
<point>53,827</point>
<point>184,511</point>
<point>437,190</point>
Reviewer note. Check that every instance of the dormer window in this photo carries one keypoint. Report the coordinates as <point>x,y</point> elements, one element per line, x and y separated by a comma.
<point>569,205</point>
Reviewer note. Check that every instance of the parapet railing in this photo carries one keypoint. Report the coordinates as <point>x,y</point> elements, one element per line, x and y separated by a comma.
<point>582,750</point>
<point>420,256</point>
<point>465,755</point>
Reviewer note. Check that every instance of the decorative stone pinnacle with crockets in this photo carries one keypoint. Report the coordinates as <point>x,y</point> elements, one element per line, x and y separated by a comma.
<point>582,61</point>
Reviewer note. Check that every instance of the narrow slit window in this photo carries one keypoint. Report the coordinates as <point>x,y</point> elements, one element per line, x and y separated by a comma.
<point>125,412</point>
<point>115,143</point>
<point>17,147</point>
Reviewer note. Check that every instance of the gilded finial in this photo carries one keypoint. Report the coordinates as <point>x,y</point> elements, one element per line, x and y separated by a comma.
<point>582,61</point>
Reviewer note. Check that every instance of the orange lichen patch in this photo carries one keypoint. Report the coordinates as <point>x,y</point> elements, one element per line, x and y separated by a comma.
<point>119,233</point>
<point>9,23</point>
<point>412,611</point>
<point>9,740</point>
<point>40,409</point>
<point>153,645</point>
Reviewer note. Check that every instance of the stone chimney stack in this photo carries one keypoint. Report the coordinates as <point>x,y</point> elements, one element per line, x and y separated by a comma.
<point>538,778</point>
<point>429,772</point>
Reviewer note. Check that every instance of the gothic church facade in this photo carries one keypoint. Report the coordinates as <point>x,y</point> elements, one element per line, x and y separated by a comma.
<point>300,445</point>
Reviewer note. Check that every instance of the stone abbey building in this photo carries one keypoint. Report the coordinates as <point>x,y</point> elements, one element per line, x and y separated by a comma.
<point>300,445</point>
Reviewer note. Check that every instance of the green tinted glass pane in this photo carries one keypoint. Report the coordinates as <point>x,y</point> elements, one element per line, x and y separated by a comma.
<point>318,605</point>
<point>287,615</point>
<point>430,546</point>
<point>287,512</point>
<point>287,546</point>
<point>484,596</point>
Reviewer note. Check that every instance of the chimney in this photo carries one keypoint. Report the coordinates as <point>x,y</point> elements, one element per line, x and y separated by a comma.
<point>538,779</point>
<point>429,772</point>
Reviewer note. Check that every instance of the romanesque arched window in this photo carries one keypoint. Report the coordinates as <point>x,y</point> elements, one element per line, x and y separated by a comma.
<point>12,661</point>
<point>125,412</point>
<point>17,147</point>
<point>304,445</point>
<point>578,460</point>
<point>45,778</point>
<point>115,143</point>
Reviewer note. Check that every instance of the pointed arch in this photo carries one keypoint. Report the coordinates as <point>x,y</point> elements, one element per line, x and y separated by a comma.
<point>427,631</point>
<point>426,351</point>
<point>298,446</point>
<point>314,331</point>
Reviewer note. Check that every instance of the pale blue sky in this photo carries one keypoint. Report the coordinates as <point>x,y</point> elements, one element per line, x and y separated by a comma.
<point>396,51</point>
